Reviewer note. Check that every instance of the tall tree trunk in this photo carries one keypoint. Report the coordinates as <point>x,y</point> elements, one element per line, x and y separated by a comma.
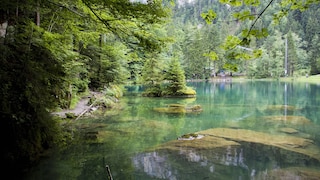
<point>38,14</point>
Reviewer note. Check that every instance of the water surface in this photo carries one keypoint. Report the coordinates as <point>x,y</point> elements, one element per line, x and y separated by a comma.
<point>135,140</point>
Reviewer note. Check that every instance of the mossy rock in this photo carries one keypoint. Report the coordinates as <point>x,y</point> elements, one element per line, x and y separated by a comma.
<point>288,119</point>
<point>279,108</point>
<point>287,142</point>
<point>190,92</point>
<point>205,142</point>
<point>179,109</point>
<point>70,115</point>
<point>190,136</point>
<point>289,130</point>
<point>174,110</point>
<point>195,108</point>
<point>291,173</point>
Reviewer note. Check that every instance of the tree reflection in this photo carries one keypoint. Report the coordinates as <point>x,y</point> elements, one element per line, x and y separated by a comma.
<point>155,165</point>
<point>200,163</point>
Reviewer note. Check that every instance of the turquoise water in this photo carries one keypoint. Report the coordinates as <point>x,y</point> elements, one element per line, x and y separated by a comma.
<point>133,140</point>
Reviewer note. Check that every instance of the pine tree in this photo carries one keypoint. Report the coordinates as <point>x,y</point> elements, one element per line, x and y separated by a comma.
<point>176,79</point>
<point>152,77</point>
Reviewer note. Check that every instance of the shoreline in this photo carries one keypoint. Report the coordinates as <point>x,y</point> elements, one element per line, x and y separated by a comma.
<point>315,79</point>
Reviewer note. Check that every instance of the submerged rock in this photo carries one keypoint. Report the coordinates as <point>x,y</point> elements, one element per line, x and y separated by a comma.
<point>288,119</point>
<point>279,108</point>
<point>175,110</point>
<point>179,109</point>
<point>190,136</point>
<point>205,142</point>
<point>302,173</point>
<point>287,142</point>
<point>289,130</point>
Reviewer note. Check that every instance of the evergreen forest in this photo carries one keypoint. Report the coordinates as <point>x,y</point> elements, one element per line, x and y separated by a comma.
<point>54,52</point>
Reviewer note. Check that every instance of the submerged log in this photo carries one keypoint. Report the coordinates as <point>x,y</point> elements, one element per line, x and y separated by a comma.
<point>109,172</point>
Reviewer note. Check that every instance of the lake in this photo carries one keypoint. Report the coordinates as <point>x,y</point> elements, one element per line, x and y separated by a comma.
<point>244,130</point>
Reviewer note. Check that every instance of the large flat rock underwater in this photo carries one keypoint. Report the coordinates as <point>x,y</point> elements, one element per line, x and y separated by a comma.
<point>231,153</point>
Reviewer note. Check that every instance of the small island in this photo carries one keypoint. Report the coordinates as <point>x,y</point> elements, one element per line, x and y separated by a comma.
<point>172,84</point>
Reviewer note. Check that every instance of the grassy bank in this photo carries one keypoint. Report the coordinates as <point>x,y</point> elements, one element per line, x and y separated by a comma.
<point>310,79</point>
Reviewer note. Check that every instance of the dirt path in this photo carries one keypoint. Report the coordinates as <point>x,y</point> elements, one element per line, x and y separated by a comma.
<point>80,107</point>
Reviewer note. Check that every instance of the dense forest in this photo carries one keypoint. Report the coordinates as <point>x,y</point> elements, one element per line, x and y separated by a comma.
<point>53,52</point>
<point>203,46</point>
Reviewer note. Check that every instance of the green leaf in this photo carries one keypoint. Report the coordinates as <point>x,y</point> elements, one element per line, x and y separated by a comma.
<point>258,33</point>
<point>245,42</point>
<point>231,42</point>
<point>252,2</point>
<point>243,15</point>
<point>246,56</point>
<point>231,67</point>
<point>212,55</point>
<point>209,16</point>
<point>224,1</point>
<point>264,32</point>
<point>245,32</point>
<point>257,53</point>
<point>279,15</point>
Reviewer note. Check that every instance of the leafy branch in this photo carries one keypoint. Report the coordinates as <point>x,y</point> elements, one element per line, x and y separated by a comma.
<point>68,8</point>
<point>233,42</point>
<point>105,22</point>
<point>259,16</point>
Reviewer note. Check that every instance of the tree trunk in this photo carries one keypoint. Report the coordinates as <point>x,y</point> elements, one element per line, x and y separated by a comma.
<point>38,15</point>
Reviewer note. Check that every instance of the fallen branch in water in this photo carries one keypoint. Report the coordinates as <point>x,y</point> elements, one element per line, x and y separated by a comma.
<point>86,110</point>
<point>109,172</point>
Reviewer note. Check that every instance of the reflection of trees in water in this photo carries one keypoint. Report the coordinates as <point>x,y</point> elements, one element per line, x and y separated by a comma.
<point>231,156</point>
<point>154,165</point>
<point>163,166</point>
<point>233,162</point>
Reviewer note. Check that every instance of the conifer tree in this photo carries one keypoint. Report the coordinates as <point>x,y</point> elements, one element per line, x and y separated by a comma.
<point>151,76</point>
<point>176,79</point>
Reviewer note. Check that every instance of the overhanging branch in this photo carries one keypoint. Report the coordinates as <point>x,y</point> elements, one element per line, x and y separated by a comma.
<point>105,22</point>
<point>254,23</point>
<point>68,8</point>
<point>259,16</point>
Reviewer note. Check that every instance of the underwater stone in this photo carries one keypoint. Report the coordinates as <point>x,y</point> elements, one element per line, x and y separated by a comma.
<point>289,130</point>
<point>287,142</point>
